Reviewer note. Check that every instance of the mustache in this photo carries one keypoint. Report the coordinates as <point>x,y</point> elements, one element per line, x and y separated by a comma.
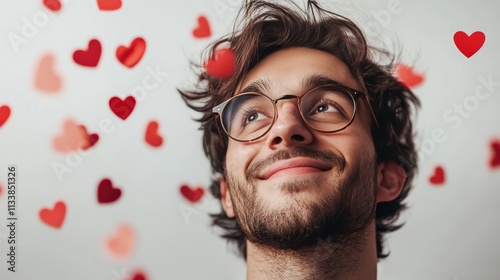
<point>337,161</point>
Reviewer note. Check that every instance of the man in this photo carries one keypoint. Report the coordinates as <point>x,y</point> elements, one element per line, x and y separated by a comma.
<point>311,142</point>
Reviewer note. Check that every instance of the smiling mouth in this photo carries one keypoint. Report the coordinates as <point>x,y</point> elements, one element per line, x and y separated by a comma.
<point>294,166</point>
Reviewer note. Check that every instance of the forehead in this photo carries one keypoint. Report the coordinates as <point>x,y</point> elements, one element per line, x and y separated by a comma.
<point>287,70</point>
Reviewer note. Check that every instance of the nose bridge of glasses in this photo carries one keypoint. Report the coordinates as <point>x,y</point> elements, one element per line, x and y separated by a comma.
<point>296,104</point>
<point>286,97</point>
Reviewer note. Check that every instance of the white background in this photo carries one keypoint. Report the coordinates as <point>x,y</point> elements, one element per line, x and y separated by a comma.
<point>451,230</point>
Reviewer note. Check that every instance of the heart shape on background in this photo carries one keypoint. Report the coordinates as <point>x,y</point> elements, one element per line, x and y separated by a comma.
<point>89,57</point>
<point>192,195</point>
<point>91,138</point>
<point>203,28</point>
<point>495,157</point>
<point>139,276</point>
<point>46,78</point>
<point>152,137</point>
<point>222,66</point>
<point>1,190</point>
<point>469,45</point>
<point>438,177</point>
<point>106,193</point>
<point>54,217</point>
<point>132,55</point>
<point>53,5</point>
<point>109,5</point>
<point>122,108</point>
<point>4,114</point>
<point>122,243</point>
<point>408,76</point>
<point>72,138</point>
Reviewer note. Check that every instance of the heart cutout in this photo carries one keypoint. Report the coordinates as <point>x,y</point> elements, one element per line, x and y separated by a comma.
<point>203,28</point>
<point>122,108</point>
<point>121,244</point>
<point>130,56</point>
<point>152,137</point>
<point>46,78</point>
<point>109,5</point>
<point>469,45</point>
<point>73,137</point>
<point>438,177</point>
<point>193,195</point>
<point>4,114</point>
<point>53,5</point>
<point>139,276</point>
<point>408,76</point>
<point>91,138</point>
<point>106,193</point>
<point>89,57</point>
<point>222,65</point>
<point>495,157</point>
<point>54,217</point>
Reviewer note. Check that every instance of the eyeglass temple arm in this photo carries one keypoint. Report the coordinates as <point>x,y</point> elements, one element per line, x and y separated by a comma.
<point>365,97</point>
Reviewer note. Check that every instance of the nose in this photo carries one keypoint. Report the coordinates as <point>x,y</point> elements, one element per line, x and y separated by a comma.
<point>289,129</point>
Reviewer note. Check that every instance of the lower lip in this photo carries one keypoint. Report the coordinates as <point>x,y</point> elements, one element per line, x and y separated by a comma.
<point>294,171</point>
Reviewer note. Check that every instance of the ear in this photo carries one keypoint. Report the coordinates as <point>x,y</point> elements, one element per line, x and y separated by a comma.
<point>227,203</point>
<point>391,178</point>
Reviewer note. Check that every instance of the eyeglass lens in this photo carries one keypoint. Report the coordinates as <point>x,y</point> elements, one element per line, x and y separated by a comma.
<point>250,115</point>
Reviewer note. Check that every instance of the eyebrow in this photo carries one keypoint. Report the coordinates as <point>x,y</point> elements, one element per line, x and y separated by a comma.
<point>259,86</point>
<point>309,82</point>
<point>314,81</point>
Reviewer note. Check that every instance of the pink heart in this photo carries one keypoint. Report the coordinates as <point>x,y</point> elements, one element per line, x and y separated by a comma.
<point>73,137</point>
<point>46,78</point>
<point>121,244</point>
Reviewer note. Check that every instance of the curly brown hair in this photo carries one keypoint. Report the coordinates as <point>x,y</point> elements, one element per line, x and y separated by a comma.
<point>267,27</point>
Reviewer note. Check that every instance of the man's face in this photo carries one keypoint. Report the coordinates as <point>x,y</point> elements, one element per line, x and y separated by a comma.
<point>296,186</point>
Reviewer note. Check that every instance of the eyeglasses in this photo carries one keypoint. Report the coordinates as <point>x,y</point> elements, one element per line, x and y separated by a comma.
<point>250,115</point>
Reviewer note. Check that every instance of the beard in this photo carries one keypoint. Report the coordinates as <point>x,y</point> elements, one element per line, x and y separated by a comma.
<point>342,212</point>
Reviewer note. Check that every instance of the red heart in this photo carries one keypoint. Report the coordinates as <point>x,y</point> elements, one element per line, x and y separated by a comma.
<point>223,64</point>
<point>192,195</point>
<point>438,177</point>
<point>106,193</point>
<point>4,114</point>
<point>138,276</point>
<point>53,5</point>
<point>469,45</point>
<point>92,138</point>
<point>109,5</point>
<point>89,57</point>
<point>152,136</point>
<point>407,76</point>
<point>203,28</point>
<point>54,217</point>
<point>122,109</point>
<point>132,55</point>
<point>495,159</point>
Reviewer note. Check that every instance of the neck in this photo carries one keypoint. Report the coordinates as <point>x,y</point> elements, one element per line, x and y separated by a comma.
<point>356,259</point>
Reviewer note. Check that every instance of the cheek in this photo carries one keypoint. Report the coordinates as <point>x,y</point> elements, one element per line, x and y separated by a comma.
<point>239,156</point>
<point>353,144</point>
